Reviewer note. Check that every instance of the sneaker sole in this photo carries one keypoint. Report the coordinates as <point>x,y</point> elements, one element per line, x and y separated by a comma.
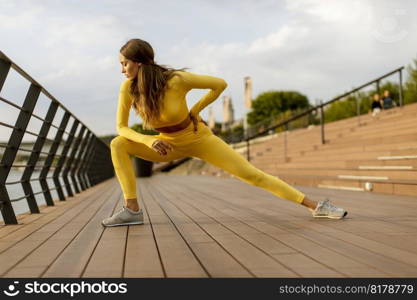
<point>122,224</point>
<point>330,217</point>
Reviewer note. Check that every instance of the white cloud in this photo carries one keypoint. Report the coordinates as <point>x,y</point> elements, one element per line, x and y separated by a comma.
<point>11,17</point>
<point>284,37</point>
<point>320,48</point>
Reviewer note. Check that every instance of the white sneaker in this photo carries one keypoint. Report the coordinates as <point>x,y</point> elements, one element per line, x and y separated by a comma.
<point>325,209</point>
<point>125,216</point>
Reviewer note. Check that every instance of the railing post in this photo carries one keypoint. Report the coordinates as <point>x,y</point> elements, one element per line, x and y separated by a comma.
<point>34,157</point>
<point>4,70</point>
<point>358,110</point>
<point>401,87</point>
<point>79,160</point>
<point>14,143</point>
<point>49,160</point>
<point>6,207</point>
<point>53,107</point>
<point>247,150</point>
<point>69,165</point>
<point>83,169</point>
<point>285,141</point>
<point>323,140</point>
<point>91,163</point>
<point>62,160</point>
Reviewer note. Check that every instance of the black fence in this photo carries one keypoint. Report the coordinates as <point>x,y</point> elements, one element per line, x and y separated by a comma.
<point>308,116</point>
<point>84,159</point>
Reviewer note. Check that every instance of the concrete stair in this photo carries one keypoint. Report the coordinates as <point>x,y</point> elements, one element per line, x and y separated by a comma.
<point>365,154</point>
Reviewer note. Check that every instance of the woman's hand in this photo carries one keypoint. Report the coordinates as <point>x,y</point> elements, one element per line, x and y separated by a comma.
<point>195,120</point>
<point>161,147</point>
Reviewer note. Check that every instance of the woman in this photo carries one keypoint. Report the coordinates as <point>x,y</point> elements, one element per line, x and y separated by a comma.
<point>157,93</point>
<point>376,105</point>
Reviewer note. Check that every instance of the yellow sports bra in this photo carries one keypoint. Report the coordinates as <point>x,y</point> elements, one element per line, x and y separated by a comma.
<point>175,107</point>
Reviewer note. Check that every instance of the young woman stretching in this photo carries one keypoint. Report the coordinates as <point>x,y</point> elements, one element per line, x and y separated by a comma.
<point>157,93</point>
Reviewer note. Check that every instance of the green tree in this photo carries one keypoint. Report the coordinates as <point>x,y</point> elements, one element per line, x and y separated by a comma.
<point>410,90</point>
<point>139,128</point>
<point>341,109</point>
<point>347,108</point>
<point>274,103</point>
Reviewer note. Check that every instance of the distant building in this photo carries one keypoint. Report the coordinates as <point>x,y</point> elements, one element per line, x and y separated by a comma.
<point>211,120</point>
<point>228,113</point>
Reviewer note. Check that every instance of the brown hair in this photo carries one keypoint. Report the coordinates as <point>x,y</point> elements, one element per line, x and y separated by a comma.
<point>148,88</point>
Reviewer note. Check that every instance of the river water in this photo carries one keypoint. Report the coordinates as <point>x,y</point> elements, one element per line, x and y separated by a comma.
<point>16,190</point>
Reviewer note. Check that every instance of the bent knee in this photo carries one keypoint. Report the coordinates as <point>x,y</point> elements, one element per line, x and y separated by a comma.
<point>117,142</point>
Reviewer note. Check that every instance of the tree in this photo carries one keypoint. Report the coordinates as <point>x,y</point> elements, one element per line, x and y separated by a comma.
<point>274,103</point>
<point>138,128</point>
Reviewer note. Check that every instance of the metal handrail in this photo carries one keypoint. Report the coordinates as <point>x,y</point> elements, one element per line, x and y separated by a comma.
<point>20,108</point>
<point>321,106</point>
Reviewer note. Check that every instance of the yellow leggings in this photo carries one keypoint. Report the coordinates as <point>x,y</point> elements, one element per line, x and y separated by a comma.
<point>204,145</point>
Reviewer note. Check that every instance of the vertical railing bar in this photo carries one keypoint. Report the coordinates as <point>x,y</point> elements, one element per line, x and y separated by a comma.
<point>323,140</point>
<point>63,159</point>
<point>401,87</point>
<point>14,142</point>
<point>79,161</point>
<point>49,161</point>
<point>82,171</point>
<point>70,162</point>
<point>50,115</point>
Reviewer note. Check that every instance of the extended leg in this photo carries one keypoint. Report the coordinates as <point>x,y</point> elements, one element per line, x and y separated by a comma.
<point>215,151</point>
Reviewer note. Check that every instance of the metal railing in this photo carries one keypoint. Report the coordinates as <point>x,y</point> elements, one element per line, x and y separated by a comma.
<point>83,162</point>
<point>319,110</point>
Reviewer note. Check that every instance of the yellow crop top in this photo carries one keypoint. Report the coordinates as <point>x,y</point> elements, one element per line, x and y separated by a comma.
<point>175,107</point>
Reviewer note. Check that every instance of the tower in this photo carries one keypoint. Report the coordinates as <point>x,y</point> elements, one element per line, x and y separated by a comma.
<point>228,112</point>
<point>211,120</point>
<point>248,92</point>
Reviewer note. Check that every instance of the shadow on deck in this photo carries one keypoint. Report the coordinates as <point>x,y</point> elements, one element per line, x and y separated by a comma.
<point>201,226</point>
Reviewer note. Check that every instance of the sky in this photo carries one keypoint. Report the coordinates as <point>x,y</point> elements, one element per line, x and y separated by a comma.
<point>320,48</point>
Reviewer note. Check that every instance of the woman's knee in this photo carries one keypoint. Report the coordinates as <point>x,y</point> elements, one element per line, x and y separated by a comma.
<point>118,142</point>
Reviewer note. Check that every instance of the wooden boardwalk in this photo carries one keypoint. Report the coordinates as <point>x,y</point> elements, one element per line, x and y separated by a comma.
<point>201,226</point>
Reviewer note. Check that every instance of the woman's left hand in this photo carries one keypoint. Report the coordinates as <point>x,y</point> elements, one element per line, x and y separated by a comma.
<point>195,120</point>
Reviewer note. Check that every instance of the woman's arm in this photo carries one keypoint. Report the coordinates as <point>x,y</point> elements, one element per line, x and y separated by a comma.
<point>196,81</point>
<point>123,109</point>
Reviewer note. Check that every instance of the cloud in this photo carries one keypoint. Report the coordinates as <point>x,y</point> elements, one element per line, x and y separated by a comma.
<point>14,18</point>
<point>320,48</point>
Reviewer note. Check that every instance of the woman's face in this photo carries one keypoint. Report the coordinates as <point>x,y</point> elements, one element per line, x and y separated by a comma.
<point>129,67</point>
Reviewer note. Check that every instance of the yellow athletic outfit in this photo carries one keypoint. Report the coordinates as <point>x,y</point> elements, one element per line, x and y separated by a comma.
<point>202,144</point>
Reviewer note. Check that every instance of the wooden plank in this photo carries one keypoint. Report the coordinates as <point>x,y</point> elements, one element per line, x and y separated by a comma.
<point>320,253</point>
<point>378,208</point>
<point>215,259</point>
<point>177,258</point>
<point>23,249</point>
<point>371,247</point>
<point>256,260</point>
<point>113,241</point>
<point>142,255</point>
<point>74,258</point>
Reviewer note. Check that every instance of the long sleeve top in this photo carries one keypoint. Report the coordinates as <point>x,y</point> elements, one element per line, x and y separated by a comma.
<point>174,109</point>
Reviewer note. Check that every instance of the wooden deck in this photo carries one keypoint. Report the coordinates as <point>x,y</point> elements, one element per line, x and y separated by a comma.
<point>201,226</point>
